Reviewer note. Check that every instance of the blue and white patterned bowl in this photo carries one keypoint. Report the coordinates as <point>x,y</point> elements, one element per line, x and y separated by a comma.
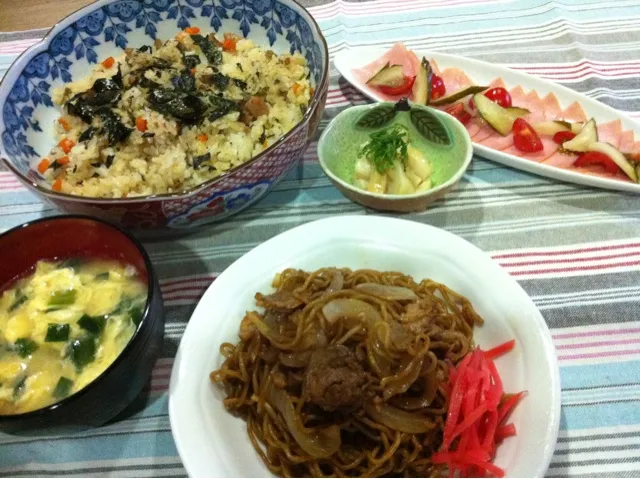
<point>70,50</point>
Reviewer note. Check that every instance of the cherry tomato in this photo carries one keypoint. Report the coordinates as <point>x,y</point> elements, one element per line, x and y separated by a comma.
<point>597,158</point>
<point>563,136</point>
<point>498,95</point>
<point>438,89</point>
<point>459,112</point>
<point>525,137</point>
<point>398,90</point>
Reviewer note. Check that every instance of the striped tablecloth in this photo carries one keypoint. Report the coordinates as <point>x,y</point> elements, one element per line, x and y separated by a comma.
<point>575,250</point>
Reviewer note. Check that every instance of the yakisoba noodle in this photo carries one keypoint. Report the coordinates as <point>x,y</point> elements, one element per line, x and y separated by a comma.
<point>342,374</point>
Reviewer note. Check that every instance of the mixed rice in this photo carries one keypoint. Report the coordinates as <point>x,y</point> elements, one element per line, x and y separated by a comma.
<point>167,118</point>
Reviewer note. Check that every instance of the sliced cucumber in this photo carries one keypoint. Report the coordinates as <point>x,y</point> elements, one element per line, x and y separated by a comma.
<point>551,127</point>
<point>422,85</point>
<point>576,126</point>
<point>447,100</point>
<point>617,157</point>
<point>516,110</point>
<point>500,119</point>
<point>585,138</point>
<point>391,76</point>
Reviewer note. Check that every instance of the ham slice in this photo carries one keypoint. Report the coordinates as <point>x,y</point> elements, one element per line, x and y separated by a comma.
<point>398,55</point>
<point>551,107</point>
<point>573,112</point>
<point>434,67</point>
<point>627,140</point>
<point>610,132</point>
<point>560,160</point>
<point>518,97</point>
<point>455,80</point>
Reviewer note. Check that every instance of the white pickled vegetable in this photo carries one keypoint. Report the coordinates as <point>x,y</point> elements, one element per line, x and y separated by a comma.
<point>418,163</point>
<point>399,184</point>
<point>413,178</point>
<point>362,184</point>
<point>363,168</point>
<point>424,186</point>
<point>377,182</point>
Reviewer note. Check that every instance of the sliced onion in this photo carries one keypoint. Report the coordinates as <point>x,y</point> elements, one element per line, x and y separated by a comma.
<point>336,284</point>
<point>401,336</point>
<point>401,382</point>
<point>399,420</point>
<point>314,441</point>
<point>390,293</point>
<point>350,308</point>
<point>269,331</point>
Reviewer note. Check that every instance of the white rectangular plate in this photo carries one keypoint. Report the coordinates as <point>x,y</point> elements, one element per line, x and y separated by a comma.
<point>481,73</point>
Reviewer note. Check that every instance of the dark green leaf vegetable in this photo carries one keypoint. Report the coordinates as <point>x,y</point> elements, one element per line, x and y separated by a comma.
<point>63,387</point>
<point>197,161</point>
<point>210,50</point>
<point>136,315</point>
<point>102,276</point>
<point>57,333</point>
<point>219,107</point>
<point>108,164</point>
<point>240,84</point>
<point>217,79</point>
<point>183,106</point>
<point>87,134</point>
<point>104,93</point>
<point>113,127</point>
<point>377,117</point>
<point>385,146</point>
<point>25,347</point>
<point>184,82</point>
<point>72,263</point>
<point>92,324</point>
<point>82,351</point>
<point>190,61</point>
<point>62,298</point>
<point>430,126</point>
<point>20,300</point>
<point>148,134</point>
<point>18,389</point>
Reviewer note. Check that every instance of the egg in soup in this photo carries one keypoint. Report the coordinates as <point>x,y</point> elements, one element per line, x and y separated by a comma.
<point>62,326</point>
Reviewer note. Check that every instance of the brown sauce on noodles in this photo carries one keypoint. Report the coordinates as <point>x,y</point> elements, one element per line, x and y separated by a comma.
<point>341,375</point>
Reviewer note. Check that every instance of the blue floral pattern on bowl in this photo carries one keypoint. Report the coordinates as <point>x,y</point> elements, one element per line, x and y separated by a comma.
<point>107,27</point>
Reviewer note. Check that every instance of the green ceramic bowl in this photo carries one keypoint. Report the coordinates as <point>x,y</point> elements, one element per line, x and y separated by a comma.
<point>342,139</point>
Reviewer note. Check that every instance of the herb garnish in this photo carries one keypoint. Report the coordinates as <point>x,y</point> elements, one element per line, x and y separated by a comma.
<point>385,146</point>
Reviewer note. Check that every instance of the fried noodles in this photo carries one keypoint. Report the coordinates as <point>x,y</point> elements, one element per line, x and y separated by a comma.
<point>343,374</point>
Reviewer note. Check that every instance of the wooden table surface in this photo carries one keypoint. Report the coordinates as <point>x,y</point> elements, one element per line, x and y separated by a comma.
<point>32,14</point>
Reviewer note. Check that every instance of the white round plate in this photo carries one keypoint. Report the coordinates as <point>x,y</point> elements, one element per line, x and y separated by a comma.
<point>212,442</point>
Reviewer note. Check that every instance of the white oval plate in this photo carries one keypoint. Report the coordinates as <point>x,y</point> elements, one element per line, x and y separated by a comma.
<point>212,442</point>
<point>482,73</point>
